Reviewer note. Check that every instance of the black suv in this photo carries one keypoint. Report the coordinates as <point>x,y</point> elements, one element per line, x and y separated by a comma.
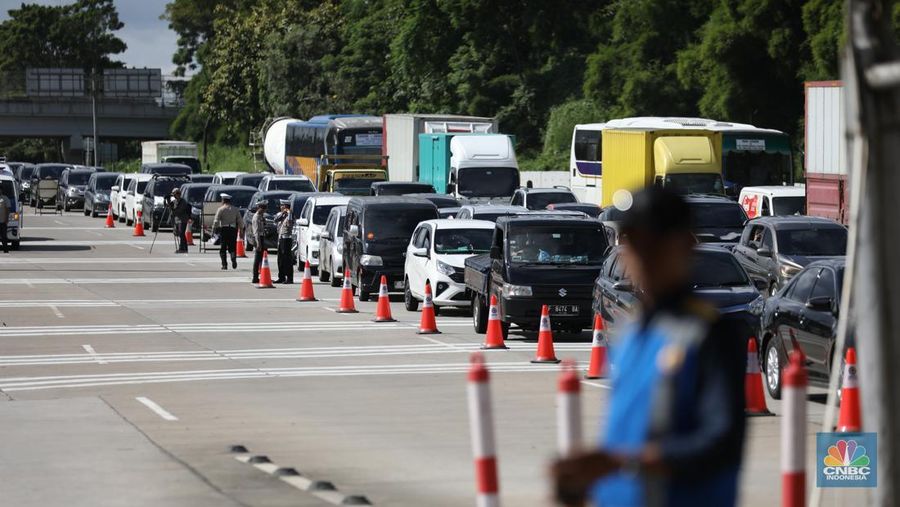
<point>193,193</point>
<point>377,231</point>
<point>158,189</point>
<point>96,194</point>
<point>774,249</point>
<point>716,219</point>
<point>273,206</point>
<point>72,184</point>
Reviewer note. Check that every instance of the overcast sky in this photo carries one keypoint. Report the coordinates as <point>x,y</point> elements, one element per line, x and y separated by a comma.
<point>150,42</point>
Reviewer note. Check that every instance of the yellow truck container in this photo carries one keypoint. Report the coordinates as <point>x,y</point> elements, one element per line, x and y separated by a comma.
<point>687,160</point>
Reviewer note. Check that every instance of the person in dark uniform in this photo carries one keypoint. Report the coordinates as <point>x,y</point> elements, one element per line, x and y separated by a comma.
<point>258,230</point>
<point>675,427</point>
<point>228,224</point>
<point>181,213</point>
<point>285,222</point>
<point>5,212</point>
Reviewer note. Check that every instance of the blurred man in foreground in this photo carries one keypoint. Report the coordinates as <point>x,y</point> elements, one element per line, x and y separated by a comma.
<point>675,427</point>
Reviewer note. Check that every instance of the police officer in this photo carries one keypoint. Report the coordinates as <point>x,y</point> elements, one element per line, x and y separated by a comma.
<point>5,211</point>
<point>258,230</point>
<point>181,213</point>
<point>675,427</point>
<point>285,222</point>
<point>228,224</point>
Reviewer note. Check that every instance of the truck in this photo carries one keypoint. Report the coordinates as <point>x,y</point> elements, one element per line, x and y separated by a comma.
<point>538,259</point>
<point>274,135</point>
<point>174,152</point>
<point>688,160</point>
<point>475,167</point>
<point>827,189</point>
<point>401,137</point>
<point>349,174</point>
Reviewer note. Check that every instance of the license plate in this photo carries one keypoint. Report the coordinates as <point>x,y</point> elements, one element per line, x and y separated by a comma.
<point>398,285</point>
<point>563,310</point>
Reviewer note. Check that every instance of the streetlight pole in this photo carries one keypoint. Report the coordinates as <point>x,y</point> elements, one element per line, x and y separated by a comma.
<point>94,114</point>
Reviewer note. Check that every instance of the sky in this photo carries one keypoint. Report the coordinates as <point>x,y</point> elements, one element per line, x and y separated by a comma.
<point>150,42</point>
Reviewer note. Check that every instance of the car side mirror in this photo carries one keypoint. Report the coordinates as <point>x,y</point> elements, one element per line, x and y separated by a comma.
<point>325,235</point>
<point>451,188</point>
<point>764,251</point>
<point>760,285</point>
<point>303,221</point>
<point>115,188</point>
<point>820,303</point>
<point>495,253</point>
<point>353,231</point>
<point>623,286</point>
<point>420,252</point>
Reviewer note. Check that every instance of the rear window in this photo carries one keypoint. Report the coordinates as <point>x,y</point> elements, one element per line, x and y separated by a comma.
<point>411,188</point>
<point>542,199</point>
<point>164,187</point>
<point>716,270</point>
<point>194,194</point>
<point>296,185</point>
<point>392,224</point>
<point>51,172</point>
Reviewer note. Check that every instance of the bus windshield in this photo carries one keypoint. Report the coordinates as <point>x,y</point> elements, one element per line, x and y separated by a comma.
<point>758,168</point>
<point>487,181</point>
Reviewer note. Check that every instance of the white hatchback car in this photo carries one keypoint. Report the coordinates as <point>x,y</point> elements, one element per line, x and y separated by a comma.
<point>310,224</point>
<point>437,253</point>
<point>294,182</point>
<point>117,195</point>
<point>331,247</point>
<point>134,195</point>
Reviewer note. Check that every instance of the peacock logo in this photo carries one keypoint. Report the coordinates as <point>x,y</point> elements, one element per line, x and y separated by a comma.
<point>846,453</point>
<point>847,460</point>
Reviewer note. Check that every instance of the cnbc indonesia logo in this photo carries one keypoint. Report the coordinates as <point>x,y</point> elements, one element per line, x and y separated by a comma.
<point>846,462</point>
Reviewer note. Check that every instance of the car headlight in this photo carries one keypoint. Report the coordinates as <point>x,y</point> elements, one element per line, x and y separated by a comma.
<point>446,269</point>
<point>510,290</point>
<point>371,260</point>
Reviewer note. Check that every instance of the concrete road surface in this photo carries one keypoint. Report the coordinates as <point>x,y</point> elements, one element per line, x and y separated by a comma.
<point>126,378</point>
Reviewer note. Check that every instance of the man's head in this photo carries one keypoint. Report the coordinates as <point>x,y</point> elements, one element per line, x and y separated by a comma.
<point>176,193</point>
<point>285,204</point>
<point>226,199</point>
<point>657,241</point>
<point>261,206</point>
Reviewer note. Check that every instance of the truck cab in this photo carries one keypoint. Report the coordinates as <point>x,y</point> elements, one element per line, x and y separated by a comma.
<point>536,260</point>
<point>477,167</point>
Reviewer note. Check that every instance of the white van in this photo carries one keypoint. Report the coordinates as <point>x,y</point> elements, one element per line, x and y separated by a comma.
<point>311,223</point>
<point>14,225</point>
<point>773,201</point>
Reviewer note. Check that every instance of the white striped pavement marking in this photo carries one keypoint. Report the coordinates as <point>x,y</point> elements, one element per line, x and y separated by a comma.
<point>152,405</point>
<point>93,353</point>
<point>101,242</point>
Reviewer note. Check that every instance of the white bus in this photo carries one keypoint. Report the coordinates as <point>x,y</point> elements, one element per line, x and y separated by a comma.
<point>585,168</point>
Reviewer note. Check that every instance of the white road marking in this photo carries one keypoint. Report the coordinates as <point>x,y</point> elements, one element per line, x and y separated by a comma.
<point>152,405</point>
<point>105,260</point>
<point>56,311</point>
<point>595,384</point>
<point>135,246</point>
<point>102,242</point>
<point>93,353</point>
<point>462,346</point>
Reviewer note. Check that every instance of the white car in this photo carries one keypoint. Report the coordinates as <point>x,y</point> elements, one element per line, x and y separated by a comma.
<point>310,224</point>
<point>295,182</point>
<point>117,195</point>
<point>331,247</point>
<point>766,201</point>
<point>134,195</point>
<point>437,253</point>
<point>226,177</point>
<point>16,216</point>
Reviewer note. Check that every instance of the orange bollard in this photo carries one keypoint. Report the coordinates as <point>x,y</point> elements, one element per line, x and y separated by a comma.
<point>494,337</point>
<point>849,420</point>
<point>428,325</point>
<point>545,352</point>
<point>383,310</point>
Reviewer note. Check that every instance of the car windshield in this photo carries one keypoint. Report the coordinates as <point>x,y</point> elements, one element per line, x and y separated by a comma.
<point>164,187</point>
<point>540,200</point>
<point>710,183</point>
<point>105,181</point>
<point>227,180</point>
<point>409,188</point>
<point>354,186</point>
<point>320,213</point>
<point>717,270</point>
<point>251,180</point>
<point>294,184</point>
<point>713,215</point>
<point>816,241</point>
<point>789,205</point>
<point>488,181</point>
<point>126,183</point>
<point>26,172</point>
<point>393,224</point>
<point>194,195</point>
<point>79,178</point>
<point>556,245</point>
<point>240,198</point>
<point>51,172</point>
<point>462,241</point>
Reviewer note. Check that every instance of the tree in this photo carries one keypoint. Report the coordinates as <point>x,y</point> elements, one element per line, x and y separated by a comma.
<point>823,22</point>
<point>194,22</point>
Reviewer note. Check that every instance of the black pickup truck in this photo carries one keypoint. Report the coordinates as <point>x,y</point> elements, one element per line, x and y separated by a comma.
<point>538,260</point>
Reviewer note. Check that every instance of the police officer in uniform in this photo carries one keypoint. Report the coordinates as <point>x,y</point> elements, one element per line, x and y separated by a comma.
<point>229,224</point>
<point>285,222</point>
<point>181,213</point>
<point>675,428</point>
<point>258,230</point>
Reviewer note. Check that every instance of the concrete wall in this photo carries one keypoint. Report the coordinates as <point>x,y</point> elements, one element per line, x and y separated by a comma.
<point>545,178</point>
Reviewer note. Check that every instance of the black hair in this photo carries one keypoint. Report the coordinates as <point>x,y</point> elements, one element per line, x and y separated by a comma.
<point>658,211</point>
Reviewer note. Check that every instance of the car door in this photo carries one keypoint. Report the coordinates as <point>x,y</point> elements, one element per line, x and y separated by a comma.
<point>786,316</point>
<point>745,251</point>
<point>621,293</point>
<point>325,244</point>
<point>817,325</point>
<point>305,214</point>
<point>768,265</point>
<point>61,191</point>
<point>412,264</point>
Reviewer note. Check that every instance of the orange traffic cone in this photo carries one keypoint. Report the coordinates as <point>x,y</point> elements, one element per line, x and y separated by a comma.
<point>849,420</point>
<point>597,368</point>
<point>239,248</point>
<point>427,324</point>
<point>139,225</point>
<point>753,383</point>
<point>545,352</point>
<point>110,223</point>
<point>347,305</point>
<point>383,310</point>
<point>494,337</point>
<point>306,285</point>
<point>265,274</point>
<point>188,235</point>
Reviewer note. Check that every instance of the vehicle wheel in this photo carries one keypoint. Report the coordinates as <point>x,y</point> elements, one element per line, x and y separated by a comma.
<point>409,301</point>
<point>128,221</point>
<point>479,315</point>
<point>363,294</point>
<point>93,211</point>
<point>15,244</point>
<point>437,310</point>
<point>324,276</point>
<point>335,282</point>
<point>84,210</point>
<point>773,370</point>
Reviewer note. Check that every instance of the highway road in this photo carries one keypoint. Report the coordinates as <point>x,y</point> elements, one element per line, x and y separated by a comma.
<point>126,378</point>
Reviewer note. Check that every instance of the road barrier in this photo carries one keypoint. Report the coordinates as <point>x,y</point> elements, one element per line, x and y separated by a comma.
<point>849,419</point>
<point>481,423</point>
<point>597,367</point>
<point>755,398</point>
<point>793,433</point>
<point>494,337</point>
<point>568,410</point>
<point>383,310</point>
<point>306,285</point>
<point>428,324</point>
<point>545,352</point>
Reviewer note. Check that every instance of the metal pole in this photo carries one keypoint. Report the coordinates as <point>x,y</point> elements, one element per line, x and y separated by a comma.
<point>94,114</point>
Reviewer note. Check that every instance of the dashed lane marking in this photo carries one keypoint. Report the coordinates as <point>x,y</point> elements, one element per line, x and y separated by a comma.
<point>93,353</point>
<point>152,405</point>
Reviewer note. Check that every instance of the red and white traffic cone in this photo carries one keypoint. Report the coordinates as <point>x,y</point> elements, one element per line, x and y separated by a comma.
<point>568,410</point>
<point>428,324</point>
<point>545,352</point>
<point>383,310</point>
<point>755,398</point>
<point>110,223</point>
<point>793,434</point>
<point>139,225</point>
<point>239,250</point>
<point>849,420</point>
<point>494,337</point>
<point>347,305</point>
<point>306,285</point>
<point>597,367</point>
<point>265,274</point>
<point>188,235</point>
<point>481,423</point>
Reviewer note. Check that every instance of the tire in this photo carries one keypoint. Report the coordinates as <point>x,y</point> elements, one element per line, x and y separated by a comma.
<point>93,211</point>
<point>334,280</point>
<point>363,294</point>
<point>128,221</point>
<point>504,329</point>
<point>324,276</point>
<point>84,210</point>
<point>479,314</point>
<point>773,370</point>
<point>409,301</point>
<point>437,310</point>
